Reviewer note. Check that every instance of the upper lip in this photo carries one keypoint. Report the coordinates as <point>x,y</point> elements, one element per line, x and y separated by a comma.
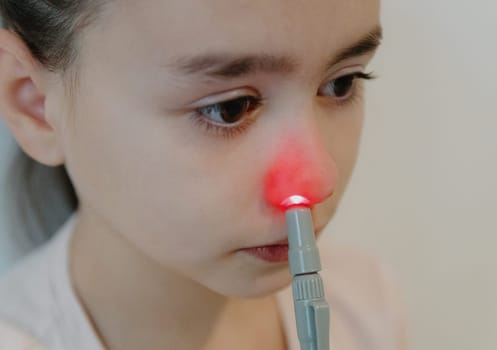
<point>280,242</point>
<point>284,241</point>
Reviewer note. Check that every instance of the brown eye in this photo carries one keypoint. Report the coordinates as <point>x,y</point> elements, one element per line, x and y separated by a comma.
<point>342,87</point>
<point>230,112</point>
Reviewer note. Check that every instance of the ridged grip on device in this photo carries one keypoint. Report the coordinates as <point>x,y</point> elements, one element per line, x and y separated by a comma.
<point>307,287</point>
<point>312,312</point>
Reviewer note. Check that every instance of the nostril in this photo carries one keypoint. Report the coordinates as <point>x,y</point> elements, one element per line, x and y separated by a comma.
<point>325,195</point>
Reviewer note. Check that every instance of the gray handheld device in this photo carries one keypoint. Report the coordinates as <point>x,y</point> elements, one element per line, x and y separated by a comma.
<point>312,312</point>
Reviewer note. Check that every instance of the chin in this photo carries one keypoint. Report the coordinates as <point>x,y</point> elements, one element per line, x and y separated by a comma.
<point>254,286</point>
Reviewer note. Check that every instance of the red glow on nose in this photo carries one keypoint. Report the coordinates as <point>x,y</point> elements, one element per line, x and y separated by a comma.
<point>297,179</point>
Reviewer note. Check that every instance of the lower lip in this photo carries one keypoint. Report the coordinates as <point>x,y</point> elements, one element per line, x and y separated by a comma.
<point>270,253</point>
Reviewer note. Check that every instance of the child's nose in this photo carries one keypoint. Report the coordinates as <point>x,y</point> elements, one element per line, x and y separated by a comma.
<point>301,166</point>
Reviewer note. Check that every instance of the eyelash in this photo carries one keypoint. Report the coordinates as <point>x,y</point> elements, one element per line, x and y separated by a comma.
<point>354,94</point>
<point>229,132</point>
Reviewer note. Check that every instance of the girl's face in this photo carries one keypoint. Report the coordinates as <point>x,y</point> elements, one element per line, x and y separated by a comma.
<point>159,158</point>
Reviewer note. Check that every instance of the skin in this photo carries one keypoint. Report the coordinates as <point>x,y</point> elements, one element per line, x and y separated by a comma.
<point>166,206</point>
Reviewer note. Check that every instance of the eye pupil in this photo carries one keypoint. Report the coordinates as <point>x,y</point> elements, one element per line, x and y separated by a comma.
<point>341,86</point>
<point>232,111</point>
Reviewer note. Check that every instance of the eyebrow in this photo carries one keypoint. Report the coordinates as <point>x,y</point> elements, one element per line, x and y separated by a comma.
<point>228,66</point>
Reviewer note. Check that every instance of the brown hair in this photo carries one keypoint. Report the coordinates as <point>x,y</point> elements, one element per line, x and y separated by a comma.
<point>41,198</point>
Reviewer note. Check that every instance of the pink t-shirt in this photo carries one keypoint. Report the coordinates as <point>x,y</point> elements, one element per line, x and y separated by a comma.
<point>39,308</point>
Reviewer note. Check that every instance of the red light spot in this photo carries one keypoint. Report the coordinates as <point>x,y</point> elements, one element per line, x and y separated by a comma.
<point>295,201</point>
<point>299,178</point>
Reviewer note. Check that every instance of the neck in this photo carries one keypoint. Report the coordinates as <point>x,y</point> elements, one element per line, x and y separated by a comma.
<point>135,303</point>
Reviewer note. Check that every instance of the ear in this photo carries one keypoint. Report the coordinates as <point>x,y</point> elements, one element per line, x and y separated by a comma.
<point>23,83</point>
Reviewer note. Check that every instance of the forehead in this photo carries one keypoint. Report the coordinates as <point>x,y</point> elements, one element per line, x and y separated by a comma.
<point>162,29</point>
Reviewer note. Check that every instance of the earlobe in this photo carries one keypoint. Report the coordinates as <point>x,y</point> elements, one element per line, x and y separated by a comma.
<point>22,101</point>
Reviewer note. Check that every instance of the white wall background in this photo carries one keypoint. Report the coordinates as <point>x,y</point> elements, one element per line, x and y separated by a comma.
<point>424,194</point>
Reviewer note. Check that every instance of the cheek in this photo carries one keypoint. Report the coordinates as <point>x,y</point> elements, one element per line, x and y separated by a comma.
<point>341,134</point>
<point>141,175</point>
<point>125,167</point>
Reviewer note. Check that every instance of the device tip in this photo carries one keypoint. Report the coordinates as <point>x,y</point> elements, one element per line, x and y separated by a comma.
<point>295,201</point>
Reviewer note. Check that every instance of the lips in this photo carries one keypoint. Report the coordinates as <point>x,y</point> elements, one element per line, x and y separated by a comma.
<point>270,253</point>
<point>274,252</point>
<point>284,241</point>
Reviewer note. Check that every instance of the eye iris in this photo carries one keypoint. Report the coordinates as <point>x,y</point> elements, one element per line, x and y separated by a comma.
<point>232,111</point>
<point>341,86</point>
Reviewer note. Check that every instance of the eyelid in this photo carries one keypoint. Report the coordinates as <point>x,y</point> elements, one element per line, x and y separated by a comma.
<point>344,72</point>
<point>223,97</point>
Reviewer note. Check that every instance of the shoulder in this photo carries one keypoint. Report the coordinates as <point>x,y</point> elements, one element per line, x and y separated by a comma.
<point>37,299</point>
<point>14,339</point>
<point>26,294</point>
<point>25,280</point>
<point>364,294</point>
